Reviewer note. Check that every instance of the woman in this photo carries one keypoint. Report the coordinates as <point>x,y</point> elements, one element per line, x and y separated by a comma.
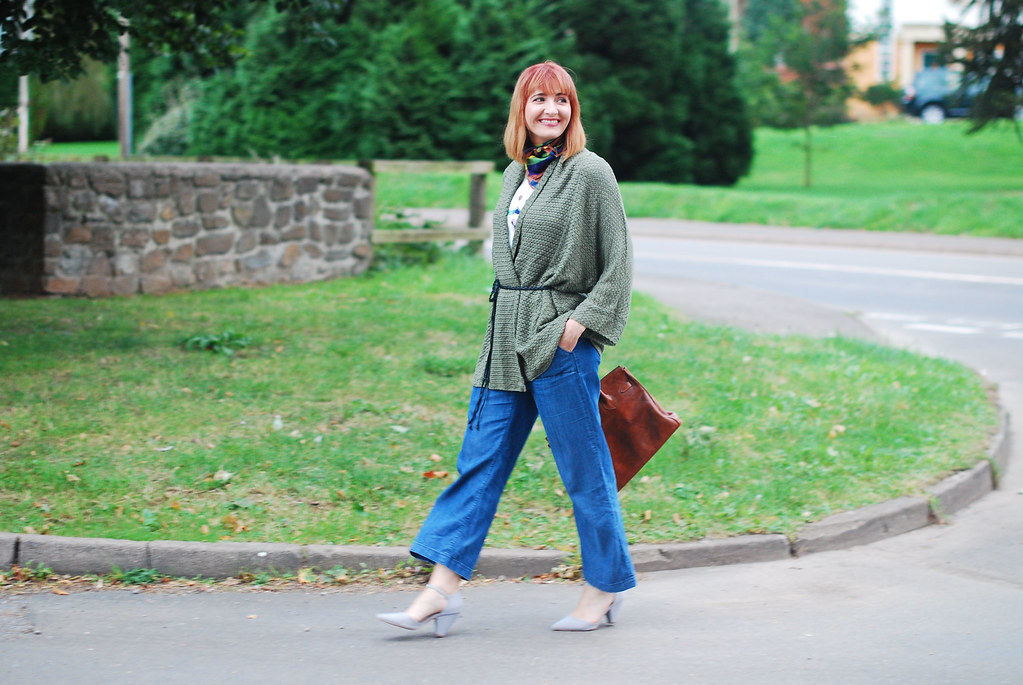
<point>563,265</point>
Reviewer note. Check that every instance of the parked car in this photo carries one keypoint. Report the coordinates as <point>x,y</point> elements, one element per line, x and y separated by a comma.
<point>937,93</point>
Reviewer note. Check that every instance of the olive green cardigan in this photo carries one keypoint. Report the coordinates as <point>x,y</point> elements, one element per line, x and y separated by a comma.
<point>572,239</point>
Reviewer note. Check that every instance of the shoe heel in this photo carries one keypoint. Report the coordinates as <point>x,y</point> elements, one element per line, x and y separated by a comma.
<point>614,609</point>
<point>443,622</point>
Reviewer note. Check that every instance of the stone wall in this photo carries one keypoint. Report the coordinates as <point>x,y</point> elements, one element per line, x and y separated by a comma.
<point>100,229</point>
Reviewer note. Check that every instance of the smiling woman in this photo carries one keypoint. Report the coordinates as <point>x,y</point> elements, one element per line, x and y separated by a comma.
<point>562,261</point>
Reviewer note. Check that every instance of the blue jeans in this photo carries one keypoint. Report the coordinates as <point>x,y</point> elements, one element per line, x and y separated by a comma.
<point>565,397</point>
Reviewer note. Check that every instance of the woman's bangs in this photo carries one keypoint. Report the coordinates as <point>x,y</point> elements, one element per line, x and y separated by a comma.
<point>551,82</point>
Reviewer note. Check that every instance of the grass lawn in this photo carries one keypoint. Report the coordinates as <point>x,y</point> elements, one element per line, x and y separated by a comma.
<point>899,176</point>
<point>84,151</point>
<point>341,421</point>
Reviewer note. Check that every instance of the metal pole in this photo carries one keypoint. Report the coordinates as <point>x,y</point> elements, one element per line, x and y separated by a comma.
<point>124,97</point>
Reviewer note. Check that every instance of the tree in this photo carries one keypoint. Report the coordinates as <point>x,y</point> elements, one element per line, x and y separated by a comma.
<point>795,71</point>
<point>991,54</point>
<point>814,59</point>
<point>392,85</point>
<point>658,89</point>
<point>49,38</point>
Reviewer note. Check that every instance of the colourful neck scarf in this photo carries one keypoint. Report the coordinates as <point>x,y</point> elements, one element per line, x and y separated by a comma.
<point>538,157</point>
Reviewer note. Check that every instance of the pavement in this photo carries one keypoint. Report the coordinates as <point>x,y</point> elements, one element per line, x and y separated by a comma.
<point>756,310</point>
<point>922,603</point>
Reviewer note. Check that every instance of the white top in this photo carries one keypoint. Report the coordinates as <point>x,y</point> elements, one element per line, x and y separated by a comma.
<point>515,208</point>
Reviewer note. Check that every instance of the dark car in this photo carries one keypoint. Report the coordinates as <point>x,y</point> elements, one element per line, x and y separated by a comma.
<point>937,93</point>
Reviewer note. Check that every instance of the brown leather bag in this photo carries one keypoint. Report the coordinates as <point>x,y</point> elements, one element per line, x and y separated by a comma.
<point>635,425</point>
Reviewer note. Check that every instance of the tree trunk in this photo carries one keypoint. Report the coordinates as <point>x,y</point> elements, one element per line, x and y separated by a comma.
<point>807,154</point>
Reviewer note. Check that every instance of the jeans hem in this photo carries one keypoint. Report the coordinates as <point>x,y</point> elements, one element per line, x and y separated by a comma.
<point>420,551</point>
<point>620,586</point>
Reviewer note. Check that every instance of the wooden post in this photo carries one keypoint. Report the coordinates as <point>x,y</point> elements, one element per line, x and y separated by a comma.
<point>23,103</point>
<point>124,99</point>
<point>477,200</point>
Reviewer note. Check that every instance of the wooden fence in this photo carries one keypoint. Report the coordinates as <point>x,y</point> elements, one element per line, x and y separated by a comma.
<point>475,230</point>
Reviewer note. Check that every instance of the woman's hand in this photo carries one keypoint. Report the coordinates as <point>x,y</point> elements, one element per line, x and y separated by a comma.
<point>573,329</point>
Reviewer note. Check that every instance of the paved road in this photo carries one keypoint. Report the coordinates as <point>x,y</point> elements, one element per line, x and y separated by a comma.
<point>939,605</point>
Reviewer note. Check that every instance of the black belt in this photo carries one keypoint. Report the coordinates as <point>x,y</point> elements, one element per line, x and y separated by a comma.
<point>494,291</point>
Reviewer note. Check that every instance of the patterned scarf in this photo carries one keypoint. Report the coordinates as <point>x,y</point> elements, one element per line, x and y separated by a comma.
<point>538,157</point>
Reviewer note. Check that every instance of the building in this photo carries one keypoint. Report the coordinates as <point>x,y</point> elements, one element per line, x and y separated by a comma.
<point>910,35</point>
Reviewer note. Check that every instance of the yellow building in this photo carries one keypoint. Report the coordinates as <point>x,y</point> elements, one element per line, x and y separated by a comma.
<point>916,32</point>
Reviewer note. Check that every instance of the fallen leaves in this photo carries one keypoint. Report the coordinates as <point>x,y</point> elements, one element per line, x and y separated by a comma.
<point>233,523</point>
<point>435,474</point>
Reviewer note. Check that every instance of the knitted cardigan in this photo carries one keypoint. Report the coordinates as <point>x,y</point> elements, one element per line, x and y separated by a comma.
<point>571,238</point>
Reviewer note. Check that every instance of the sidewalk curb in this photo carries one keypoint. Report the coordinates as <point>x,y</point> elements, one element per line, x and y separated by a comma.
<point>864,525</point>
<point>77,556</point>
<point>743,549</point>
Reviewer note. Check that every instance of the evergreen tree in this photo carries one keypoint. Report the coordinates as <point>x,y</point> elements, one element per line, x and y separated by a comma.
<point>432,79</point>
<point>718,123</point>
<point>991,55</point>
<point>658,89</point>
<point>412,79</point>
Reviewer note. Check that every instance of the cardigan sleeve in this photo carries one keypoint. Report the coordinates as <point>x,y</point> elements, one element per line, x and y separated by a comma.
<point>605,310</point>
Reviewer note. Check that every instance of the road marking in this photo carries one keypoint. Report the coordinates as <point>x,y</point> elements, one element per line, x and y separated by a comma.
<point>841,268</point>
<point>889,316</point>
<point>958,325</point>
<point>942,328</point>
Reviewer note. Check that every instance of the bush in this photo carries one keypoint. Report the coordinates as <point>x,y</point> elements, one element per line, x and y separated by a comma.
<point>170,133</point>
<point>882,94</point>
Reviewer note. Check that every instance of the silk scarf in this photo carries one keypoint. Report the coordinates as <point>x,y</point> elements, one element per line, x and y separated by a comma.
<point>540,156</point>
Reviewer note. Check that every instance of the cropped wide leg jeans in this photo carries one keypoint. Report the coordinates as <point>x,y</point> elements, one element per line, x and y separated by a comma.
<point>565,398</point>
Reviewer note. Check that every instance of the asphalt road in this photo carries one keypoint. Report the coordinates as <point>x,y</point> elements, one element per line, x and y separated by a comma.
<point>939,605</point>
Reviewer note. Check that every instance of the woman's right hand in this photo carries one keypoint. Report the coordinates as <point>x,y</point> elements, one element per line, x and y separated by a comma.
<point>570,336</point>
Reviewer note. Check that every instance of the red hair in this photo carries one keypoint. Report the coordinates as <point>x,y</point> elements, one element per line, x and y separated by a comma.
<point>547,77</point>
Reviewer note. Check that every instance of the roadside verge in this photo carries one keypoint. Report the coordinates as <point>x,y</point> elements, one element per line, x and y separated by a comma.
<point>80,556</point>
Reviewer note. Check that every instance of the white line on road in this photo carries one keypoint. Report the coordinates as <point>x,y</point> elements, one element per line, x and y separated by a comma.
<point>889,316</point>
<point>843,268</point>
<point>941,328</point>
<point>958,325</point>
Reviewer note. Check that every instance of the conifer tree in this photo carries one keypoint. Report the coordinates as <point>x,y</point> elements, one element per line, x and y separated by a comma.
<point>991,54</point>
<point>658,88</point>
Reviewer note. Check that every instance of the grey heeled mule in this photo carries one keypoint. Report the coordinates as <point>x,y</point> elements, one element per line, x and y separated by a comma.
<point>442,619</point>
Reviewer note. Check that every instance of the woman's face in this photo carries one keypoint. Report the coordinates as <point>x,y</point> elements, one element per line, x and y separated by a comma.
<point>547,116</point>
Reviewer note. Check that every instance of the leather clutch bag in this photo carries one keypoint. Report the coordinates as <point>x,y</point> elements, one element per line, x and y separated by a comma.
<point>635,425</point>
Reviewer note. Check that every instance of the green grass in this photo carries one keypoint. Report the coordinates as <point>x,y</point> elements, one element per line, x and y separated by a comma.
<point>899,176</point>
<point>78,151</point>
<point>322,428</point>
